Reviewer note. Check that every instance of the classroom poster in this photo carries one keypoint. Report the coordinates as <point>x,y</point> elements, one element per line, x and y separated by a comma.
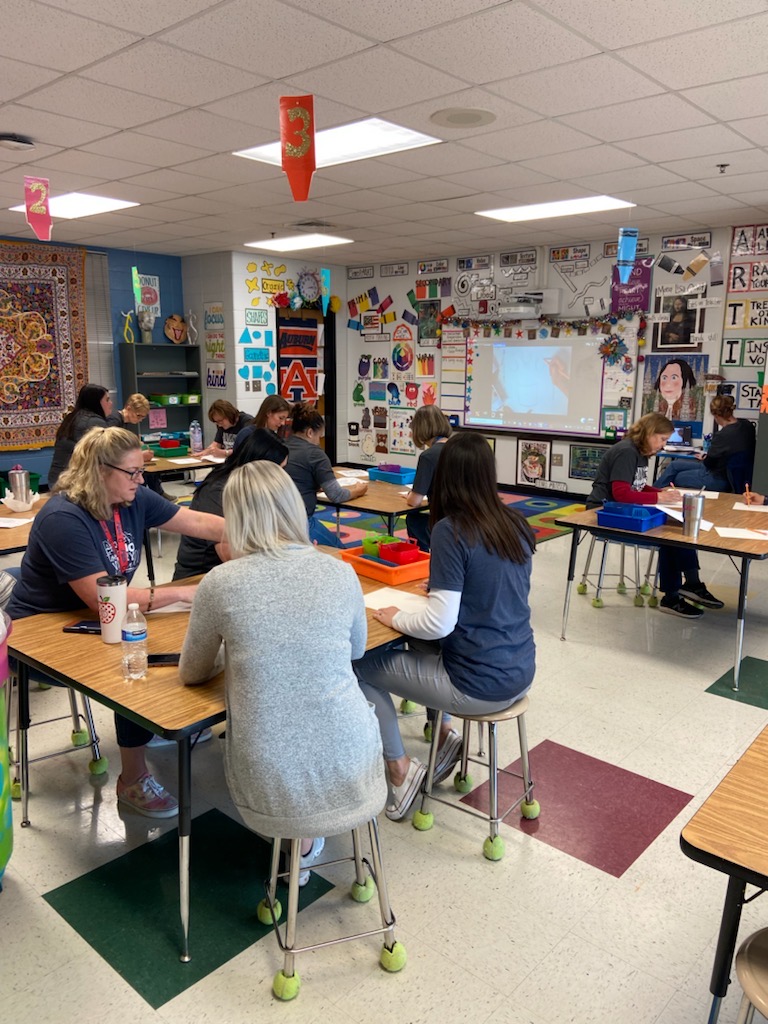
<point>533,461</point>
<point>675,386</point>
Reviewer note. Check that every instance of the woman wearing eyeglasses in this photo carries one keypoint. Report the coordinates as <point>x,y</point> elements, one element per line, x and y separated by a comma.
<point>94,525</point>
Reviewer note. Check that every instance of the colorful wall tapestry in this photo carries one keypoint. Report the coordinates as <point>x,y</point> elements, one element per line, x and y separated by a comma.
<point>43,352</point>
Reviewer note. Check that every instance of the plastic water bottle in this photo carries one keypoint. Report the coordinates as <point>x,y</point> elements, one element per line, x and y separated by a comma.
<point>134,644</point>
<point>195,436</point>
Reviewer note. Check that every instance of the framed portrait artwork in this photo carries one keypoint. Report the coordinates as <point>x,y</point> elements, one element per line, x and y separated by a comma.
<point>678,333</point>
<point>533,461</point>
<point>428,312</point>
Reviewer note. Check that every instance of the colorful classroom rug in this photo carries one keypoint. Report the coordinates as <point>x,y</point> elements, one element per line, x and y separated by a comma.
<point>43,352</point>
<point>128,910</point>
<point>540,512</point>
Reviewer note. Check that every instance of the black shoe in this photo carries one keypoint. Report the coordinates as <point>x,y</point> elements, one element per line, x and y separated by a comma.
<point>699,594</point>
<point>674,604</point>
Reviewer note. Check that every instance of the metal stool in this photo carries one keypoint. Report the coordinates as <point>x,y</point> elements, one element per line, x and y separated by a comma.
<point>286,982</point>
<point>752,972</point>
<point>645,588</point>
<point>493,847</point>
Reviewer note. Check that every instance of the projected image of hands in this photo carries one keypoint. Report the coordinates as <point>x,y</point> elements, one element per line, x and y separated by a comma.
<point>531,381</point>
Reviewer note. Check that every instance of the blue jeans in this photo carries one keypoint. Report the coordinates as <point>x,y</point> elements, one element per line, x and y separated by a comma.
<point>687,473</point>
<point>320,534</point>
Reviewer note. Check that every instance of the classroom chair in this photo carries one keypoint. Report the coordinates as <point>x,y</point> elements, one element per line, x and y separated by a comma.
<point>644,588</point>
<point>738,470</point>
<point>493,846</point>
<point>752,972</point>
<point>368,879</point>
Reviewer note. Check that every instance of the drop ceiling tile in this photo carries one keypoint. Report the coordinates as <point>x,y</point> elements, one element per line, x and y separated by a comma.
<point>454,221</point>
<point>389,19</point>
<point>294,43</point>
<point>170,74</point>
<point>508,40</point>
<point>367,199</point>
<point>51,38</point>
<point>639,117</point>
<point>718,50</point>
<point>174,181</point>
<point>417,115</point>
<point>757,198</point>
<point>503,176</point>
<point>146,150</point>
<point>755,129</point>
<point>678,145</point>
<point>60,181</point>
<point>475,201</point>
<point>77,161</point>
<point>50,129</point>
<point>664,193</point>
<point>426,190</point>
<point>634,177</point>
<point>592,160</point>
<point>619,24</point>
<point>17,78</point>
<point>230,169</point>
<point>433,159</point>
<point>132,193</point>
<point>249,195</point>
<point>368,174</point>
<point>291,212</point>
<point>103,104</point>
<point>364,219</point>
<point>577,85</point>
<point>219,133</point>
<point>548,192</point>
<point>742,97</point>
<point>261,107</point>
<point>741,162</point>
<point>21,160</point>
<point>699,207</point>
<point>542,138</point>
<point>379,79</point>
<point>188,207</point>
<point>135,16</point>
<point>732,184</point>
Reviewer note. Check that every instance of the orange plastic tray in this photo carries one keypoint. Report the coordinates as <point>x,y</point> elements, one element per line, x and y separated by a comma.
<point>418,570</point>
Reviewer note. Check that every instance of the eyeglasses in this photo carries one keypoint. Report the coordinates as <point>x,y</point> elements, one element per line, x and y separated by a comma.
<point>134,474</point>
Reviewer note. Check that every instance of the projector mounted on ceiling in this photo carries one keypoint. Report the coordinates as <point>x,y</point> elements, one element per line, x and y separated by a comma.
<point>526,305</point>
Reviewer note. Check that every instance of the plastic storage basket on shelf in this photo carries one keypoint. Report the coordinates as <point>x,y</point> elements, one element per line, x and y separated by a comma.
<point>638,518</point>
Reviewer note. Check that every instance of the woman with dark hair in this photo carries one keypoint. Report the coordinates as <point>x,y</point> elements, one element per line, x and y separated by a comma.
<point>93,408</point>
<point>229,422</point>
<point>429,430</point>
<point>197,556</point>
<point>711,470</point>
<point>622,476</point>
<point>674,386</point>
<point>676,333</point>
<point>480,654</point>
<point>310,469</point>
<point>272,415</point>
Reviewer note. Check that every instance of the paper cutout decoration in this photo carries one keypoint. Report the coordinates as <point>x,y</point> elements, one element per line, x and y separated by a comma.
<point>325,288</point>
<point>625,257</point>
<point>297,143</point>
<point>37,212</point>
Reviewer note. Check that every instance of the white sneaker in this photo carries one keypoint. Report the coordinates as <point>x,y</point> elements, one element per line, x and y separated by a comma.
<point>200,737</point>
<point>308,859</point>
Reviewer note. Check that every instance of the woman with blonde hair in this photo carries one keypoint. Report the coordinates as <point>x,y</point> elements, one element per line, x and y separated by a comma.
<point>623,476</point>
<point>94,526</point>
<point>303,755</point>
<point>429,430</point>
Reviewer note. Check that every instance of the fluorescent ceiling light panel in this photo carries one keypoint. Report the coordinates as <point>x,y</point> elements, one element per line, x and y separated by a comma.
<point>80,204</point>
<point>564,208</point>
<point>359,141</point>
<point>296,242</point>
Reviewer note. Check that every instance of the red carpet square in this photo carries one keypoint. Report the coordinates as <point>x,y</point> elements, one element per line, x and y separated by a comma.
<point>592,810</point>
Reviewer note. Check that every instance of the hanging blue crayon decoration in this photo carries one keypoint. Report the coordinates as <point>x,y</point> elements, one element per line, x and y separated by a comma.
<point>625,257</point>
<point>325,288</point>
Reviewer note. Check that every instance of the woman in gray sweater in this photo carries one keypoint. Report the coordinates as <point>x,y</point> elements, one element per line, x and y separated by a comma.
<point>303,752</point>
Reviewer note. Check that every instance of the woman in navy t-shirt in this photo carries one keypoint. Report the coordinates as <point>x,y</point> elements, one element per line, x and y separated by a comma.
<point>479,580</point>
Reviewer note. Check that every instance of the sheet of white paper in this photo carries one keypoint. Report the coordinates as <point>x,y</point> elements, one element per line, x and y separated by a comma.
<point>739,506</point>
<point>347,481</point>
<point>361,473</point>
<point>7,524</point>
<point>740,534</point>
<point>388,597</point>
<point>694,490</point>
<point>177,606</point>
<point>185,462</point>
<point>218,459</point>
<point>676,512</point>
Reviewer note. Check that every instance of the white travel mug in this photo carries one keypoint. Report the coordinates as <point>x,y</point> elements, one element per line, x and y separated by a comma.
<point>112,593</point>
<point>693,508</point>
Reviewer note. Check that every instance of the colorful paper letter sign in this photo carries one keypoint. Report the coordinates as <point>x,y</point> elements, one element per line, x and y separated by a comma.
<point>36,202</point>
<point>297,143</point>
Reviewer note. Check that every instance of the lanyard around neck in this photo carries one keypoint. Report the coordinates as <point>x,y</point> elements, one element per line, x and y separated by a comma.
<point>118,545</point>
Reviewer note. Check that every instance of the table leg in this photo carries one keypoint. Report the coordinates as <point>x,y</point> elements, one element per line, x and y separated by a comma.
<point>740,621</point>
<point>571,573</point>
<point>185,827</point>
<point>726,944</point>
<point>23,734</point>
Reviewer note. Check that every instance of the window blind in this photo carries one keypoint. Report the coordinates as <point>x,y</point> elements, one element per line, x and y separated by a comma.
<point>98,321</point>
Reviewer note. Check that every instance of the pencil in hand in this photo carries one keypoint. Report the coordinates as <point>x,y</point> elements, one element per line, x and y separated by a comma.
<point>747,495</point>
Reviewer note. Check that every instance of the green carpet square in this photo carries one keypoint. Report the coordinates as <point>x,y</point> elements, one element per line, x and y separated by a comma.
<point>128,910</point>
<point>753,684</point>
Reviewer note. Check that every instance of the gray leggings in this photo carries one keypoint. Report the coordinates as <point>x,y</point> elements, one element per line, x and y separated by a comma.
<point>417,675</point>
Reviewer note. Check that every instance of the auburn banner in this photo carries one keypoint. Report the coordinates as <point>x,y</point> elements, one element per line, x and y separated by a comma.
<point>297,142</point>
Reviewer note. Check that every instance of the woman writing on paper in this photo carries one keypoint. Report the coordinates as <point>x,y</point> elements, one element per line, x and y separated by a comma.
<point>623,476</point>
<point>429,430</point>
<point>94,526</point>
<point>471,647</point>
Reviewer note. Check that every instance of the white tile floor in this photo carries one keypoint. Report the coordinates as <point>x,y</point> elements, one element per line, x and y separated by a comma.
<point>539,938</point>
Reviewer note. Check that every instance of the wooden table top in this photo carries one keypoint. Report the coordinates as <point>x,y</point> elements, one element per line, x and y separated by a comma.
<point>161,699</point>
<point>381,496</point>
<point>16,538</point>
<point>159,465</point>
<point>719,511</point>
<point>731,826</point>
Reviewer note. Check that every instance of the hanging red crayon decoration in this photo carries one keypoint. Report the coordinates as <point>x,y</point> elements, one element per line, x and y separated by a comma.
<point>297,143</point>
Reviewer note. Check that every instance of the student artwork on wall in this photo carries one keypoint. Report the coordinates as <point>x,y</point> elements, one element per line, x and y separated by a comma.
<point>395,394</point>
<point>429,320</point>
<point>380,417</point>
<point>358,393</point>
<point>533,461</point>
<point>353,434</point>
<point>400,433</point>
<point>583,461</point>
<point>382,442</point>
<point>675,387</point>
<point>367,445</point>
<point>428,392</point>
<point>364,366</point>
<point>377,392</point>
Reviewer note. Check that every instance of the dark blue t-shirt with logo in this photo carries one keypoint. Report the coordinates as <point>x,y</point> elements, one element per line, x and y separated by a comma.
<point>66,543</point>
